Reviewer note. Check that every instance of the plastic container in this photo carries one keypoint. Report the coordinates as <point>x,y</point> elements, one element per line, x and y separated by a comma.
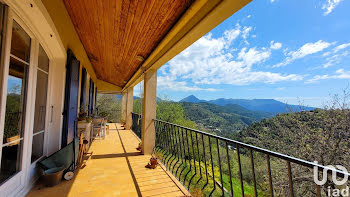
<point>53,176</point>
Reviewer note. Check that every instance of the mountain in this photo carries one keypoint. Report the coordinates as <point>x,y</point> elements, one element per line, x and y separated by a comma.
<point>223,120</point>
<point>265,105</point>
<point>192,99</point>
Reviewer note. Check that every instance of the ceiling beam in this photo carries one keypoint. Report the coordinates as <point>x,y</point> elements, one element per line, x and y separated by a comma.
<point>103,86</point>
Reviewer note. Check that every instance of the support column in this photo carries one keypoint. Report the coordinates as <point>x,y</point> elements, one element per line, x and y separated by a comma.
<point>124,98</point>
<point>149,112</point>
<point>129,106</point>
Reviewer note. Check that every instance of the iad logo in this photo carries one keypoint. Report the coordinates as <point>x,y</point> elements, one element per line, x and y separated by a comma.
<point>336,181</point>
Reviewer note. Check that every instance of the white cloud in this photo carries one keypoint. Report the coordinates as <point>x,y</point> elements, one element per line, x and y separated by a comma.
<point>210,61</point>
<point>339,74</point>
<point>326,54</point>
<point>335,59</point>
<point>329,6</point>
<point>306,49</point>
<point>231,35</point>
<point>249,16</point>
<point>317,78</point>
<point>341,47</point>
<point>272,1</point>
<point>275,45</point>
<point>253,56</point>
<point>168,83</point>
<point>245,32</point>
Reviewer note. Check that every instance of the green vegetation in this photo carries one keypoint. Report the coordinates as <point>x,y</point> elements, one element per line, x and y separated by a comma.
<point>225,121</point>
<point>320,135</point>
<point>168,111</point>
<point>13,115</point>
<point>109,106</point>
<point>188,168</point>
<point>13,112</point>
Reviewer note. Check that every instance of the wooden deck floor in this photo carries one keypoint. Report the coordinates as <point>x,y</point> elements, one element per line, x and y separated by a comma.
<point>115,169</point>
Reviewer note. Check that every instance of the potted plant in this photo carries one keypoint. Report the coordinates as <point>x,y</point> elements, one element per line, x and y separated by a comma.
<point>139,148</point>
<point>89,119</point>
<point>123,123</point>
<point>153,163</point>
<point>82,116</point>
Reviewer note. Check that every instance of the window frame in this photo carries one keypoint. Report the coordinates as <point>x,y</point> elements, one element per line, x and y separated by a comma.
<point>48,93</point>
<point>28,126</point>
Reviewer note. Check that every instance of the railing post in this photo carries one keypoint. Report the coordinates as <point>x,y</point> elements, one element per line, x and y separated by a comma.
<point>124,98</point>
<point>149,111</point>
<point>129,106</point>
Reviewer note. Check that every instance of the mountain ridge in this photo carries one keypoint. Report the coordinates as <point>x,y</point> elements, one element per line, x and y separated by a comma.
<point>266,105</point>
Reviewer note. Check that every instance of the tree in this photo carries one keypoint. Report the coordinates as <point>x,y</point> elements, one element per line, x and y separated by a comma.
<point>109,106</point>
<point>174,113</point>
<point>321,135</point>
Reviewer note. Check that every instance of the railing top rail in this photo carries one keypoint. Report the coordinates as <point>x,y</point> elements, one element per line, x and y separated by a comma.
<point>265,151</point>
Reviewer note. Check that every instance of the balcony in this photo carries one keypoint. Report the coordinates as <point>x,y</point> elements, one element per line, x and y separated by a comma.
<point>115,169</point>
<point>210,165</point>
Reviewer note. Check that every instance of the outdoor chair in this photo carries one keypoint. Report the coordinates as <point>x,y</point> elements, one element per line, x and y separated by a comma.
<point>99,126</point>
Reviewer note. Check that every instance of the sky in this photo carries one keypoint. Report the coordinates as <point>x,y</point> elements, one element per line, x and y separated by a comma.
<point>294,51</point>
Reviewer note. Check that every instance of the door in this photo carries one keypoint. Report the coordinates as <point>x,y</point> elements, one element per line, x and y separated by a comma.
<point>40,109</point>
<point>71,99</point>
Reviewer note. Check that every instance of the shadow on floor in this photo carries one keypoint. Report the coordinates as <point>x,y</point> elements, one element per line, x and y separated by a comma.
<point>115,169</point>
<point>106,156</point>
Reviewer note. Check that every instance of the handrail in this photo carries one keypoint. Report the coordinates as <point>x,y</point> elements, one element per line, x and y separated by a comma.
<point>185,152</point>
<point>265,151</point>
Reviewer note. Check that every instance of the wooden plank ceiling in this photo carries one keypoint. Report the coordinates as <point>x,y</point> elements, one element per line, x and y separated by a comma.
<point>115,32</point>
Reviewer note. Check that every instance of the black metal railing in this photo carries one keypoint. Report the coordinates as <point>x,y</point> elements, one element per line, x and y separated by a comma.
<point>216,166</point>
<point>136,124</point>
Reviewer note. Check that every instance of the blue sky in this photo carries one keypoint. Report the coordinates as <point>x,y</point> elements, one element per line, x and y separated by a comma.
<point>289,50</point>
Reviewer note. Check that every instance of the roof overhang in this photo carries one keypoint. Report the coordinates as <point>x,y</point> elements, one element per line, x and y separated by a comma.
<point>119,63</point>
<point>200,18</point>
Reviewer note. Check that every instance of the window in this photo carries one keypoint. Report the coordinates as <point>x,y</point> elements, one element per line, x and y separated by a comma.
<point>24,110</point>
<point>15,102</point>
<point>40,105</point>
<point>91,97</point>
<point>82,91</point>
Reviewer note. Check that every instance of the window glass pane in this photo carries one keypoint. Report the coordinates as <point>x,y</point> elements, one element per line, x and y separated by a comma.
<point>14,120</point>
<point>20,42</point>
<point>37,146</point>
<point>11,160</point>
<point>43,61</point>
<point>15,102</point>
<point>40,101</point>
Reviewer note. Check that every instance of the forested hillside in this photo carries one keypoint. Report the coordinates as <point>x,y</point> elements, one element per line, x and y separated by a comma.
<point>222,120</point>
<point>266,105</point>
<point>319,135</point>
